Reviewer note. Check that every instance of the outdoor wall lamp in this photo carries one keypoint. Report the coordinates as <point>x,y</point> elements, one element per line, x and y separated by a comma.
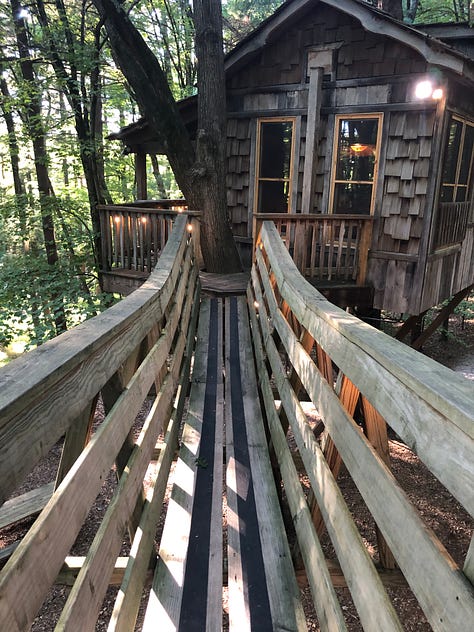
<point>426,89</point>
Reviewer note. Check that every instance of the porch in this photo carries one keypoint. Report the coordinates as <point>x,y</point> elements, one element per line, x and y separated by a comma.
<point>331,251</point>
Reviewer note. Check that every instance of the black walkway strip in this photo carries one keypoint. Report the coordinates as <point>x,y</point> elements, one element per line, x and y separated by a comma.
<point>194,600</point>
<point>253,570</point>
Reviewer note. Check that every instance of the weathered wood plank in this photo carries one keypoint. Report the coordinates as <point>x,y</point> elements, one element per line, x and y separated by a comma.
<point>24,581</point>
<point>164,604</point>
<point>429,399</point>
<point>128,599</point>
<point>372,603</point>
<point>84,601</point>
<point>285,606</point>
<point>329,612</point>
<point>25,505</point>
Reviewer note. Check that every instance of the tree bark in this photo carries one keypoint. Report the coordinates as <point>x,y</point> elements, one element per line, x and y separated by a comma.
<point>394,7</point>
<point>13,146</point>
<point>211,145</point>
<point>160,185</point>
<point>36,132</point>
<point>201,181</point>
<point>87,110</point>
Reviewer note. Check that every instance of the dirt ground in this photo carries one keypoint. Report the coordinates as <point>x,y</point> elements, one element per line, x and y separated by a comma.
<point>442,513</point>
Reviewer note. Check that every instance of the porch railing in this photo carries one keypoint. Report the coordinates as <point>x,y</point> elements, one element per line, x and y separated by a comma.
<point>325,247</point>
<point>331,248</point>
<point>133,236</point>
<point>452,221</point>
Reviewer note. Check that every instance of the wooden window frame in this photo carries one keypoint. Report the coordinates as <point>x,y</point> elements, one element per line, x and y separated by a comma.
<point>258,179</point>
<point>335,147</point>
<point>455,185</point>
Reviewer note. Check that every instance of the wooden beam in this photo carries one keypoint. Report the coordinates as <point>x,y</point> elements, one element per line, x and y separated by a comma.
<point>376,430</point>
<point>441,317</point>
<point>390,578</point>
<point>312,132</point>
<point>25,505</point>
<point>73,565</point>
<point>77,437</point>
<point>141,176</point>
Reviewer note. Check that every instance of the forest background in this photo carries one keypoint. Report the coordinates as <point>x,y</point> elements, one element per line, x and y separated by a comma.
<point>61,96</point>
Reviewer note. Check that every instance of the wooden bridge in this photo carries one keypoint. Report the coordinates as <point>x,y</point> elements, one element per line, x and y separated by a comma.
<point>230,381</point>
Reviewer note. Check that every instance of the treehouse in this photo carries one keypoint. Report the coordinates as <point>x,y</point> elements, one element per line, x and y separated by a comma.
<point>354,133</point>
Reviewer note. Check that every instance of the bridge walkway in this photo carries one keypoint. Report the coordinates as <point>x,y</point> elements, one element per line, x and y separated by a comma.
<point>226,380</point>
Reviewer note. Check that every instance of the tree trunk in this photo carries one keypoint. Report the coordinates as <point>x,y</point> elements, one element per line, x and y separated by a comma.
<point>37,135</point>
<point>87,116</point>
<point>200,181</point>
<point>160,185</point>
<point>211,146</point>
<point>18,185</point>
<point>394,7</point>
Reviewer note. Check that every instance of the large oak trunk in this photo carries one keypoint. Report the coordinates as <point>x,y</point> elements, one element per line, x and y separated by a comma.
<point>201,175</point>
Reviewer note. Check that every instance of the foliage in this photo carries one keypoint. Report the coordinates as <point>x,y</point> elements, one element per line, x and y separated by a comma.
<point>31,291</point>
<point>242,16</point>
<point>434,11</point>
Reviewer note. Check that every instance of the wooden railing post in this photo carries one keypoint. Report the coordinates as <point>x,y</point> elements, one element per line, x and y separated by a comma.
<point>364,247</point>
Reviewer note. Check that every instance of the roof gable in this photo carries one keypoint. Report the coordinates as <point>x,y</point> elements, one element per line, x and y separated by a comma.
<point>371,19</point>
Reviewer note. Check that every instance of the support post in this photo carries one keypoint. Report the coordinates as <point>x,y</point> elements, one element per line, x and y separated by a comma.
<point>140,176</point>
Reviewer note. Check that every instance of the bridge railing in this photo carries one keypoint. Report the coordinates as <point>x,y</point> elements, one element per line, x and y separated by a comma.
<point>306,348</point>
<point>141,345</point>
<point>325,247</point>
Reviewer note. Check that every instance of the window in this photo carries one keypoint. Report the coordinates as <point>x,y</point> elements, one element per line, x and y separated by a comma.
<point>458,162</point>
<point>275,140</point>
<point>355,156</point>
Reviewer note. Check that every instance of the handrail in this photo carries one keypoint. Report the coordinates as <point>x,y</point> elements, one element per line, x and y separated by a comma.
<point>324,247</point>
<point>305,342</point>
<point>70,369</point>
<point>54,389</point>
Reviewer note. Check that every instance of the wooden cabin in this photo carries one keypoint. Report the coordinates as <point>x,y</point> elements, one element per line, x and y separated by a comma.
<point>354,133</point>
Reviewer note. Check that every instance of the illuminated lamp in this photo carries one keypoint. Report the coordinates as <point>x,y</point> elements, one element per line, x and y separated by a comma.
<point>424,89</point>
<point>362,150</point>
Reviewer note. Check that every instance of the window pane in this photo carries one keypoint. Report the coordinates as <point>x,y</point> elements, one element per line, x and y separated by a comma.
<point>451,157</point>
<point>461,194</point>
<point>275,149</point>
<point>466,159</point>
<point>273,197</point>
<point>357,149</point>
<point>352,198</point>
<point>447,194</point>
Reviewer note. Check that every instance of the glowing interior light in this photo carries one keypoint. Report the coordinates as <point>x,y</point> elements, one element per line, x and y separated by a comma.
<point>144,220</point>
<point>117,219</point>
<point>424,90</point>
<point>256,304</point>
<point>189,227</point>
<point>437,94</point>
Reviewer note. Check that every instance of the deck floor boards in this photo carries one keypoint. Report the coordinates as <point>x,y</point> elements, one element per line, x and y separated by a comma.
<point>224,553</point>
